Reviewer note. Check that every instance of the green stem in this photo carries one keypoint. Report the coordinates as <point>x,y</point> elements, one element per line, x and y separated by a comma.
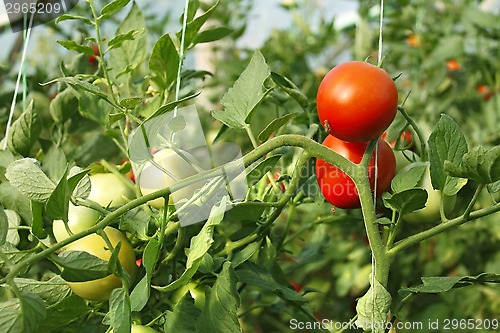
<point>423,145</point>
<point>472,202</point>
<point>453,223</point>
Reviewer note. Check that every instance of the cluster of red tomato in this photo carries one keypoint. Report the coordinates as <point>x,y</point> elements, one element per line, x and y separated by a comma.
<point>356,103</point>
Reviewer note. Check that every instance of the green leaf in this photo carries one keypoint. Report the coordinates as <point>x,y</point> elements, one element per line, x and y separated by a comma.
<point>440,284</point>
<point>211,35</point>
<point>274,126</point>
<point>63,313</point>
<point>254,275</point>
<point>125,60</point>
<point>79,182</point>
<point>130,103</point>
<point>448,47</point>
<point>4,226</point>
<point>57,205</point>
<point>22,315</point>
<point>64,105</point>
<point>37,223</point>
<point>164,62</point>
<point>406,201</point>
<point>199,246</point>
<point>118,40</point>
<point>93,107</point>
<point>220,311</point>
<point>245,254</point>
<point>372,308</point>
<point>260,170</point>
<point>170,106</point>
<point>28,178</point>
<point>52,291</point>
<point>25,131</point>
<point>14,222</point>
<point>72,45</point>
<point>84,85</point>
<point>183,317</point>
<point>408,179</point>
<point>140,295</point>
<point>494,187</point>
<point>245,95</point>
<point>194,26</point>
<point>120,311</point>
<point>479,164</point>
<point>291,89</point>
<point>15,200</point>
<point>113,6</point>
<point>54,163</point>
<point>81,266</point>
<point>446,143</point>
<point>65,17</point>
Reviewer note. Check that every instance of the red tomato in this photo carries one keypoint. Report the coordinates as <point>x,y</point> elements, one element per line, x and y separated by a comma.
<point>337,187</point>
<point>413,41</point>
<point>93,58</point>
<point>453,65</point>
<point>405,140</point>
<point>357,101</point>
<point>484,91</point>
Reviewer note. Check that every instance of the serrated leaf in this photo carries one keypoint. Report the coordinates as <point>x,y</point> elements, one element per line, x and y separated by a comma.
<point>211,35</point>
<point>72,45</point>
<point>170,106</point>
<point>79,182</point>
<point>194,26</point>
<point>25,131</point>
<point>406,201</point>
<point>120,311</point>
<point>220,311</point>
<point>28,178</point>
<point>93,107</point>
<point>408,179</point>
<point>494,187</point>
<point>14,221</point>
<point>113,6</point>
<point>372,308</point>
<point>479,164</point>
<point>446,143</point>
<point>245,95</point>
<point>119,39</point>
<point>274,126</point>
<point>52,291</point>
<point>183,317</point>
<point>64,105</point>
<point>81,266</point>
<point>439,284</point>
<point>84,85</point>
<point>54,163</point>
<point>130,103</point>
<point>260,170</point>
<point>22,315</point>
<point>252,274</point>
<point>164,62</point>
<point>243,255</point>
<point>63,313</point>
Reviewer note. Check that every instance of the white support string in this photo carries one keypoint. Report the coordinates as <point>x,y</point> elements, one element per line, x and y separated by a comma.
<point>18,82</point>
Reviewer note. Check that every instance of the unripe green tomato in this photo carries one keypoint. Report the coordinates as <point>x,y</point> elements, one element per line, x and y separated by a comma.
<point>108,190</point>
<point>196,291</point>
<point>430,212</point>
<point>80,218</point>
<point>142,329</point>
<point>152,178</point>
<point>100,289</point>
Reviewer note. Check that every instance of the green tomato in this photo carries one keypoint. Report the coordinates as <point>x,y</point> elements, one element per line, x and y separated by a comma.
<point>142,329</point>
<point>100,289</point>
<point>196,291</point>
<point>80,218</point>
<point>430,212</point>
<point>153,178</point>
<point>109,190</point>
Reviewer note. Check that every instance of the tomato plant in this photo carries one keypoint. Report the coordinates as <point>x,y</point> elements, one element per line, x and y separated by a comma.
<point>357,101</point>
<point>228,134</point>
<point>100,289</point>
<point>337,187</point>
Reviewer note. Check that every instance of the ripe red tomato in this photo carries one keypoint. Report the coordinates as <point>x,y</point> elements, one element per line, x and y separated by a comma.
<point>337,187</point>
<point>93,58</point>
<point>405,140</point>
<point>357,101</point>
